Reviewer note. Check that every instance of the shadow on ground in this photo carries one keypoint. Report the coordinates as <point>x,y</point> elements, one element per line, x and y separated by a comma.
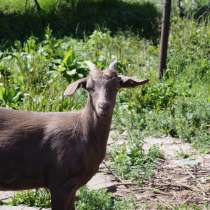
<point>115,15</point>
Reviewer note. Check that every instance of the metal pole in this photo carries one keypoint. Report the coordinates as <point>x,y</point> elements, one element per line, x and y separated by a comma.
<point>164,37</point>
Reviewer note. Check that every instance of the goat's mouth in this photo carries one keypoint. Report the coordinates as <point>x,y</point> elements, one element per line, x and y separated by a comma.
<point>102,113</point>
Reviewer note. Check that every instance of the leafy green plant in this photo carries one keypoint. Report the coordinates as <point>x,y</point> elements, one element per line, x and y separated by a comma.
<point>71,68</point>
<point>202,141</point>
<point>97,200</point>
<point>102,200</point>
<point>182,154</point>
<point>37,198</point>
<point>130,161</point>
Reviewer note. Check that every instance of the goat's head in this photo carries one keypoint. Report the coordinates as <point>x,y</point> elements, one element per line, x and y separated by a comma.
<point>102,87</point>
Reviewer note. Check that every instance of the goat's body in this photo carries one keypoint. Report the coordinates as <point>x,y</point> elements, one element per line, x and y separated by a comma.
<point>60,151</point>
<point>43,150</point>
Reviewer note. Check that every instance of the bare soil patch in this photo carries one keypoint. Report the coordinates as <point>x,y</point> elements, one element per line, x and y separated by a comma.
<point>183,177</point>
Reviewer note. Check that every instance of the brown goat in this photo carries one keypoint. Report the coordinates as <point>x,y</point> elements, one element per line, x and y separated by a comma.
<point>60,151</point>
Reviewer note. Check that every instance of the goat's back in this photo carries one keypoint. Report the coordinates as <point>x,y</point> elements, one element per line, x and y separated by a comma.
<point>27,141</point>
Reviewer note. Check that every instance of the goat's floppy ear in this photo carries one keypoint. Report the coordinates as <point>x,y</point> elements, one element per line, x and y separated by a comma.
<point>71,89</point>
<point>127,82</point>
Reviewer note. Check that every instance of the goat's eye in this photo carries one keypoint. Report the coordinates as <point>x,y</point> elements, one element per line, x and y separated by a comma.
<point>90,89</point>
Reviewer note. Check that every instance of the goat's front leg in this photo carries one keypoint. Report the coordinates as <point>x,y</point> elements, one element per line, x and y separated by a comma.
<point>62,200</point>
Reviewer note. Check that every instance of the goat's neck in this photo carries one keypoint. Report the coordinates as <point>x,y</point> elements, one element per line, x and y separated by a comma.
<point>95,128</point>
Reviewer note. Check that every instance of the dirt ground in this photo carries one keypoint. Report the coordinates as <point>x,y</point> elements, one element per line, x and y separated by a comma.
<point>183,177</point>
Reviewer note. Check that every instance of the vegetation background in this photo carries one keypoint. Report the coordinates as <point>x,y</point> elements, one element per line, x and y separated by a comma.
<point>42,50</point>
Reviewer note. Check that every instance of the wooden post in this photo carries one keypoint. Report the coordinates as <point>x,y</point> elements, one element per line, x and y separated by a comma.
<point>164,37</point>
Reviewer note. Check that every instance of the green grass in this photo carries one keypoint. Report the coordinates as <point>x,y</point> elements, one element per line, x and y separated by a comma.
<point>179,105</point>
<point>183,155</point>
<point>17,6</point>
<point>130,161</point>
<point>87,200</point>
<point>35,198</point>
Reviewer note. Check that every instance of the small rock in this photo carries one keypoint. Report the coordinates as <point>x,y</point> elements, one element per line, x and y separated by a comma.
<point>101,181</point>
<point>4,195</point>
